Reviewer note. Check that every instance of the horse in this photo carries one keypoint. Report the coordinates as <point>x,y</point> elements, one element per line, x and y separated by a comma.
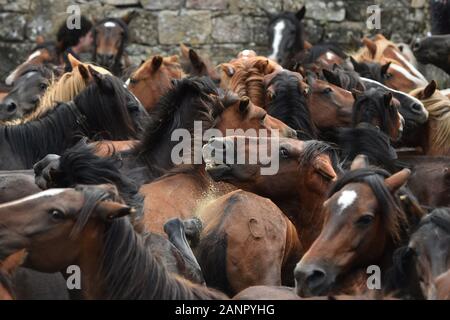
<point>30,85</point>
<point>299,186</point>
<point>195,65</point>
<point>154,78</point>
<point>8,267</point>
<point>104,109</point>
<point>433,50</point>
<point>322,56</point>
<point>442,284</point>
<point>117,262</point>
<point>110,39</point>
<point>44,53</point>
<point>286,35</point>
<point>434,136</point>
<point>402,74</point>
<point>419,264</point>
<point>364,224</point>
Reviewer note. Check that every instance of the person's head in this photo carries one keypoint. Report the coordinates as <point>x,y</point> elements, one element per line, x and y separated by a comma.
<point>77,37</point>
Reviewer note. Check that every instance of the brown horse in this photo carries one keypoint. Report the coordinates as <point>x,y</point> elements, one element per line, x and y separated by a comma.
<point>195,65</point>
<point>363,224</point>
<point>442,284</point>
<point>401,74</point>
<point>434,136</point>
<point>299,187</point>
<point>87,227</point>
<point>154,78</point>
<point>8,266</point>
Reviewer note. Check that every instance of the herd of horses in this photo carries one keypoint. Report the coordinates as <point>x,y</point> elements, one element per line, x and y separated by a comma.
<point>87,177</point>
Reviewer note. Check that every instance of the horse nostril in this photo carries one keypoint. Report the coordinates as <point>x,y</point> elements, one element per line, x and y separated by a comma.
<point>11,107</point>
<point>416,46</point>
<point>417,107</point>
<point>315,278</point>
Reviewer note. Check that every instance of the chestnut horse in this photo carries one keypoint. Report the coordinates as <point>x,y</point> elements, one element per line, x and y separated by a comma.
<point>154,78</point>
<point>8,266</point>
<point>364,223</point>
<point>116,262</point>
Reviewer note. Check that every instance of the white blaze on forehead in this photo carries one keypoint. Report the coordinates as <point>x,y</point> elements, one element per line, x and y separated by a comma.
<point>278,34</point>
<point>330,55</point>
<point>410,66</point>
<point>46,193</point>
<point>408,75</point>
<point>10,79</point>
<point>346,199</point>
<point>110,24</point>
<point>127,83</point>
<point>34,55</point>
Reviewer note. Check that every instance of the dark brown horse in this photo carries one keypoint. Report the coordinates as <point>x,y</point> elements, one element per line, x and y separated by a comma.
<point>195,65</point>
<point>87,227</point>
<point>364,223</point>
<point>434,50</point>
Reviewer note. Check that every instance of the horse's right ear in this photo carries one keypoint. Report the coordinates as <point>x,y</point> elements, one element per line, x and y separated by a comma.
<point>300,14</point>
<point>40,40</point>
<point>74,62</point>
<point>13,261</point>
<point>129,16</point>
<point>354,63</point>
<point>243,104</point>
<point>108,210</point>
<point>429,90</point>
<point>97,76</point>
<point>195,59</point>
<point>184,50</point>
<point>331,77</point>
<point>361,161</point>
<point>84,72</point>
<point>370,45</point>
<point>397,180</point>
<point>228,69</point>
<point>156,63</point>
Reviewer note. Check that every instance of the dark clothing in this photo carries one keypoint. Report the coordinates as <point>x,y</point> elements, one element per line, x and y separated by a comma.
<point>67,65</point>
<point>440,16</point>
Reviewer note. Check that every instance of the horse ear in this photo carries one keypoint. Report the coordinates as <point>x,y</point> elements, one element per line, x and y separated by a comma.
<point>261,65</point>
<point>108,211</point>
<point>97,76</point>
<point>228,69</point>
<point>40,40</point>
<point>244,104</point>
<point>397,180</point>
<point>361,161</point>
<point>129,16</point>
<point>370,45</point>
<point>300,14</point>
<point>84,71</point>
<point>385,68</point>
<point>184,50</point>
<point>379,36</point>
<point>195,58</point>
<point>388,98</point>
<point>356,93</point>
<point>13,261</point>
<point>331,77</point>
<point>354,63</point>
<point>430,89</point>
<point>156,63</point>
<point>74,62</point>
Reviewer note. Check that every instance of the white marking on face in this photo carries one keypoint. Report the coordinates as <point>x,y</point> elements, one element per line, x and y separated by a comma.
<point>278,34</point>
<point>34,55</point>
<point>445,92</point>
<point>127,83</point>
<point>10,79</point>
<point>408,75</point>
<point>46,193</point>
<point>110,24</point>
<point>329,56</point>
<point>346,199</point>
<point>410,66</point>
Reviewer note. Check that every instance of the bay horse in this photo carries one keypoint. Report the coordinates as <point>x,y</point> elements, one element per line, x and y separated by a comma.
<point>434,136</point>
<point>154,78</point>
<point>425,257</point>
<point>403,76</point>
<point>88,227</point>
<point>364,223</point>
<point>30,85</point>
<point>8,267</point>
<point>286,36</point>
<point>104,109</point>
<point>195,65</point>
<point>110,39</point>
<point>433,50</point>
<point>44,53</point>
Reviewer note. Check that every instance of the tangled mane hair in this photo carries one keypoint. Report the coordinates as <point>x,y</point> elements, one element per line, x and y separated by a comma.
<point>249,82</point>
<point>389,208</point>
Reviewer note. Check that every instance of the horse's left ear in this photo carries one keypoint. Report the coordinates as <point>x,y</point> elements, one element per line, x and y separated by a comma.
<point>108,210</point>
<point>385,68</point>
<point>361,161</point>
<point>40,40</point>
<point>388,98</point>
<point>97,76</point>
<point>195,59</point>
<point>129,16</point>
<point>300,14</point>
<point>74,62</point>
<point>261,65</point>
<point>244,104</point>
<point>84,72</point>
<point>397,180</point>
<point>13,261</point>
<point>370,45</point>
<point>331,77</point>
<point>430,89</point>
<point>184,50</point>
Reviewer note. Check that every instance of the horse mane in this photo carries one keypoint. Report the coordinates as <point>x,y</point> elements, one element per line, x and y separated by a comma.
<point>64,89</point>
<point>390,210</point>
<point>364,54</point>
<point>370,105</point>
<point>440,217</point>
<point>314,148</point>
<point>249,82</point>
<point>438,107</point>
<point>129,270</point>
<point>348,79</point>
<point>289,104</point>
<point>191,99</point>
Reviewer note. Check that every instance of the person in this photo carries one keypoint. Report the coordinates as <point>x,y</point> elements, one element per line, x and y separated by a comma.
<point>74,41</point>
<point>440,16</point>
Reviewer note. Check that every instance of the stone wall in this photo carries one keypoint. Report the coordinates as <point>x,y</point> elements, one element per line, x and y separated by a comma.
<point>218,28</point>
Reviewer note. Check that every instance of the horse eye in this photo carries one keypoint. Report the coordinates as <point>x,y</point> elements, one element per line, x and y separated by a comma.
<point>388,75</point>
<point>365,220</point>
<point>284,153</point>
<point>133,81</point>
<point>57,214</point>
<point>43,86</point>
<point>327,90</point>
